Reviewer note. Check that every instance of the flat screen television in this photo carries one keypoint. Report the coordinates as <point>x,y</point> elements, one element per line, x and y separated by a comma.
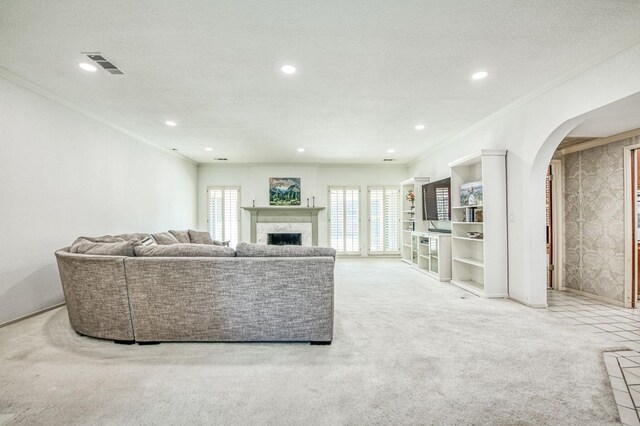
<point>436,200</point>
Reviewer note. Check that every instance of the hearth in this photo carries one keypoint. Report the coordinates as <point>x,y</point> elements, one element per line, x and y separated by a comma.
<point>284,239</point>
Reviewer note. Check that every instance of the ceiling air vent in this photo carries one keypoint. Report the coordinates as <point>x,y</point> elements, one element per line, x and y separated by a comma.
<point>389,159</point>
<point>220,159</point>
<point>103,62</point>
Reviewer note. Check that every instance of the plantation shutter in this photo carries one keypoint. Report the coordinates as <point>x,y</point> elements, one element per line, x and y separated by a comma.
<point>376,220</point>
<point>391,219</point>
<point>224,214</point>
<point>383,220</point>
<point>344,217</point>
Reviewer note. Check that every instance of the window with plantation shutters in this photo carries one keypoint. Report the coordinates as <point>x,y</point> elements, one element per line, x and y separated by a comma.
<point>384,227</point>
<point>344,219</point>
<point>224,213</point>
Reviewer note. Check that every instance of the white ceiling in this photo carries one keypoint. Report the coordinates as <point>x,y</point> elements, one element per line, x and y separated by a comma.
<point>368,71</point>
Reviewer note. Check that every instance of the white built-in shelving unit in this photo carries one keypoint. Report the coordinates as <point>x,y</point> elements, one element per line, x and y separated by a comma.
<point>411,215</point>
<point>431,254</point>
<point>479,265</point>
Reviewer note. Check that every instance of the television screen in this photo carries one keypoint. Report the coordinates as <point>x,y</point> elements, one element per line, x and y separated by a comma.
<point>436,200</point>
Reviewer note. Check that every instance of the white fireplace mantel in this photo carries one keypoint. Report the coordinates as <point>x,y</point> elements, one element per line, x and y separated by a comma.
<point>284,214</point>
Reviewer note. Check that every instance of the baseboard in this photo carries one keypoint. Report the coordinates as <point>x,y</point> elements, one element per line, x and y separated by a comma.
<point>530,305</point>
<point>594,296</point>
<point>33,314</point>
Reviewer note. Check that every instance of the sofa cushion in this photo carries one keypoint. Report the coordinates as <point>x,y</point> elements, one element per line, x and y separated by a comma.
<point>134,236</point>
<point>102,239</point>
<point>184,250</point>
<point>121,248</point>
<point>165,238</point>
<point>200,237</point>
<point>203,237</point>
<point>259,250</point>
<point>181,236</point>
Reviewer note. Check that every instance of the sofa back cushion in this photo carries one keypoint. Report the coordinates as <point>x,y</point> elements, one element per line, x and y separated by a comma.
<point>165,238</point>
<point>200,237</point>
<point>119,248</point>
<point>102,239</point>
<point>185,250</point>
<point>259,250</point>
<point>181,236</point>
<point>134,236</point>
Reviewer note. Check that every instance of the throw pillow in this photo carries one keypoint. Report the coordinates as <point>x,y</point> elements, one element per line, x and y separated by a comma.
<point>185,250</point>
<point>258,250</point>
<point>165,238</point>
<point>181,236</point>
<point>200,237</point>
<point>148,242</point>
<point>122,248</point>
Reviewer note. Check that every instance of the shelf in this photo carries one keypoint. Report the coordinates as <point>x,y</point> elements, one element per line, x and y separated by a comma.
<point>467,223</point>
<point>434,257</point>
<point>407,230</point>
<point>470,261</point>
<point>406,245</point>
<point>476,206</point>
<point>409,221</point>
<point>424,257</point>
<point>468,239</point>
<point>409,211</point>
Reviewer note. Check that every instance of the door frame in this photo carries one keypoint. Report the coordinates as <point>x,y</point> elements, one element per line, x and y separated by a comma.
<point>557,223</point>
<point>630,295</point>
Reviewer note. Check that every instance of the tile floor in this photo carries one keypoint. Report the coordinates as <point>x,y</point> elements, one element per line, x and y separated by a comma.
<point>617,324</point>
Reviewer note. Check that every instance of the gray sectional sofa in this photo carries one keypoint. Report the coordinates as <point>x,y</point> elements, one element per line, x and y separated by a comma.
<point>164,291</point>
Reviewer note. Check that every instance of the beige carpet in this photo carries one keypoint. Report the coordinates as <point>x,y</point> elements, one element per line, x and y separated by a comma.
<point>407,350</point>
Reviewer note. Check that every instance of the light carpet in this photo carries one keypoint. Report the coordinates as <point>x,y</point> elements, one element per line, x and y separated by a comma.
<point>407,350</point>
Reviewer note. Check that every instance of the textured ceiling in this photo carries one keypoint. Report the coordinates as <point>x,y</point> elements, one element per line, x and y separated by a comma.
<point>368,71</point>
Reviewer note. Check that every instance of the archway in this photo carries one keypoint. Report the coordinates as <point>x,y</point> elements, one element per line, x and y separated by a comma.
<point>615,118</point>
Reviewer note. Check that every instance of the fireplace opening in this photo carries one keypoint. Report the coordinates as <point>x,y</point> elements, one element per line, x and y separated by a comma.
<point>284,239</point>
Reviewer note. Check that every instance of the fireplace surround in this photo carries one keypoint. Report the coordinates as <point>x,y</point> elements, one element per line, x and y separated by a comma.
<point>272,219</point>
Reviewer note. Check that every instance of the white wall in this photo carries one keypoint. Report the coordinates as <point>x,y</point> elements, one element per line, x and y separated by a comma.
<point>531,131</point>
<point>315,180</point>
<point>62,175</point>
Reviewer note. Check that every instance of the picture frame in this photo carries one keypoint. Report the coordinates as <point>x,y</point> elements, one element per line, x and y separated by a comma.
<point>284,191</point>
<point>471,194</point>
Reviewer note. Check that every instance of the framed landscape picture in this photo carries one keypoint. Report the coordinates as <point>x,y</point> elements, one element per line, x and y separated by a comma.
<point>284,191</point>
<point>471,194</point>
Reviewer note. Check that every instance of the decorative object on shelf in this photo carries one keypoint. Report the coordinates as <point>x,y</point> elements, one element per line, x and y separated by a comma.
<point>411,196</point>
<point>471,194</point>
<point>284,191</point>
<point>313,199</point>
<point>476,235</point>
<point>479,216</point>
<point>307,201</point>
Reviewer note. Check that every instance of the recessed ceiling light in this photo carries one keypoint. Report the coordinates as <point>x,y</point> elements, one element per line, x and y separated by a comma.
<point>171,123</point>
<point>88,67</point>
<point>391,151</point>
<point>480,75</point>
<point>288,69</point>
<point>300,149</point>
<point>419,127</point>
<point>208,149</point>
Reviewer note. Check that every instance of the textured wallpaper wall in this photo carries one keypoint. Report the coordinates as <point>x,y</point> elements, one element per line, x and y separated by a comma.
<point>594,220</point>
